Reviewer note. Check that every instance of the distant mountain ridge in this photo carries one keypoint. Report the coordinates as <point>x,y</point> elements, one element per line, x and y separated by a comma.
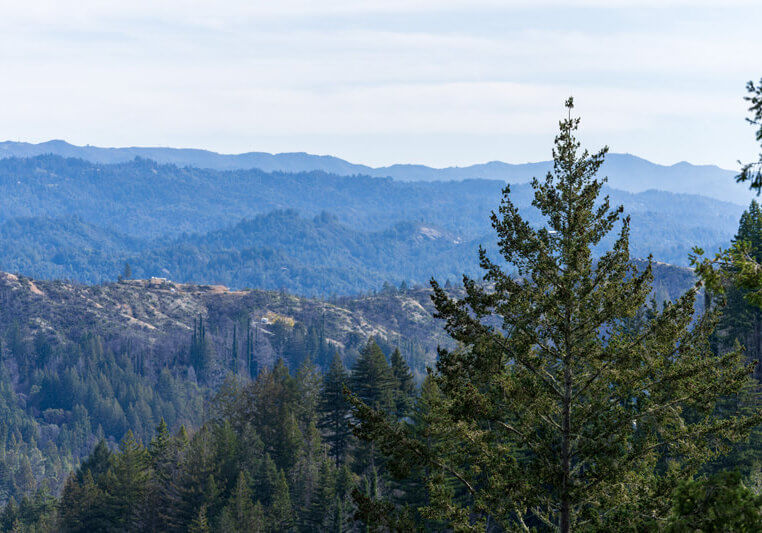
<point>625,171</point>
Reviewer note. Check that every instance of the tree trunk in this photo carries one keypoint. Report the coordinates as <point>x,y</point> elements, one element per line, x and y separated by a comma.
<point>565,453</point>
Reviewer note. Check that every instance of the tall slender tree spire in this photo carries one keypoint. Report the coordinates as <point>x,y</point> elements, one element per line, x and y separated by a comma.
<point>553,411</point>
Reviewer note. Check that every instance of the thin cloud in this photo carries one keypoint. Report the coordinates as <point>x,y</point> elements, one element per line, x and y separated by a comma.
<point>141,72</point>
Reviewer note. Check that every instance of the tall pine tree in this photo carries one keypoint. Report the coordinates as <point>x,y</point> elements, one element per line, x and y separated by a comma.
<point>741,320</point>
<point>404,389</point>
<point>553,413</point>
<point>372,379</point>
<point>334,410</point>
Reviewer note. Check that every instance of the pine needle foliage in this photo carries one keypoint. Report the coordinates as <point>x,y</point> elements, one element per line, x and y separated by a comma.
<point>555,413</point>
<point>752,172</point>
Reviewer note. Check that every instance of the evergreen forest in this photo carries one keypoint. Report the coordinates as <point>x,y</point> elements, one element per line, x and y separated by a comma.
<point>565,385</point>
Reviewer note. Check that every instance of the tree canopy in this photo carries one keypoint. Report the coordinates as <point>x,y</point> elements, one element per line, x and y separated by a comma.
<point>555,412</point>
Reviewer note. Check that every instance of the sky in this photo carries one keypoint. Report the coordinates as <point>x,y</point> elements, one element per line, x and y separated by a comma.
<point>445,82</point>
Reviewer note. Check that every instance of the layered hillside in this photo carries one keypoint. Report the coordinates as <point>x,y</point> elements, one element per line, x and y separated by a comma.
<point>83,362</point>
<point>626,172</point>
<point>79,363</point>
<point>67,218</point>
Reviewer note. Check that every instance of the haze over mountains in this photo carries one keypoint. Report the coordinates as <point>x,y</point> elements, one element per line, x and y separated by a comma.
<point>625,171</point>
<point>308,232</point>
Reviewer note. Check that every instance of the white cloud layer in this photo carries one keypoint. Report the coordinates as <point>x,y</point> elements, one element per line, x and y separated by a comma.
<point>445,82</point>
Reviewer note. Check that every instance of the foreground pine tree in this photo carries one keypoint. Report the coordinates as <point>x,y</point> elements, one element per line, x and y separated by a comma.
<point>554,413</point>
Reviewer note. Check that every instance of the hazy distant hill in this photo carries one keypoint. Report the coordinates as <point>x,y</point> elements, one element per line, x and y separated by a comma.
<point>310,233</point>
<point>625,171</point>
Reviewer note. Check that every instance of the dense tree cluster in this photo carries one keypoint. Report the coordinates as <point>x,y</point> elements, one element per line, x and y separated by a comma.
<point>276,454</point>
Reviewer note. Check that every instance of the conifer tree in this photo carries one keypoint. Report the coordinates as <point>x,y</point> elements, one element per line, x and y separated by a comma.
<point>97,463</point>
<point>334,410</point>
<point>83,506</point>
<point>160,443</point>
<point>241,513</point>
<point>752,172</point>
<point>128,483</point>
<point>164,453</point>
<point>190,489</point>
<point>741,320</point>
<point>10,512</point>
<point>372,379</point>
<point>200,523</point>
<point>201,351</point>
<point>552,412</point>
<point>281,514</point>
<point>234,351</point>
<point>23,478</point>
<point>273,414</point>
<point>337,522</point>
<point>404,384</point>
<point>251,344</point>
<point>319,513</point>
<point>266,481</point>
<point>308,380</point>
<point>373,383</point>
<point>719,503</point>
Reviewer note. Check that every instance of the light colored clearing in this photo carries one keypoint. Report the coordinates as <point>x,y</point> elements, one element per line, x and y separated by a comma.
<point>135,322</point>
<point>95,304</point>
<point>273,317</point>
<point>34,289</point>
<point>238,293</point>
<point>335,343</point>
<point>415,310</point>
<point>431,233</point>
<point>218,289</point>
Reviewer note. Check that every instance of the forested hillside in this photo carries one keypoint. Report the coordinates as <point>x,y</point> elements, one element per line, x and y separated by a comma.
<point>82,363</point>
<point>79,363</point>
<point>66,218</point>
<point>314,256</point>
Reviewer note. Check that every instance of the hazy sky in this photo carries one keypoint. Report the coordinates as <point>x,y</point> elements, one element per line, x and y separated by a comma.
<point>440,82</point>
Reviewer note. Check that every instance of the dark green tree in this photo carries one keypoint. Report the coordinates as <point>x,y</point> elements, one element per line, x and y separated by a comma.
<point>739,265</point>
<point>719,503</point>
<point>553,413</point>
<point>404,389</point>
<point>752,172</point>
<point>201,351</point>
<point>319,513</point>
<point>335,411</point>
<point>281,514</point>
<point>372,379</point>
<point>164,453</point>
<point>241,513</point>
<point>190,489</point>
<point>83,506</point>
<point>741,321</point>
<point>234,351</point>
<point>200,523</point>
<point>127,483</point>
<point>373,382</point>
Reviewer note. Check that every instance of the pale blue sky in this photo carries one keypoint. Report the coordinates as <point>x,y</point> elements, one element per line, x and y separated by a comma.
<point>448,82</point>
